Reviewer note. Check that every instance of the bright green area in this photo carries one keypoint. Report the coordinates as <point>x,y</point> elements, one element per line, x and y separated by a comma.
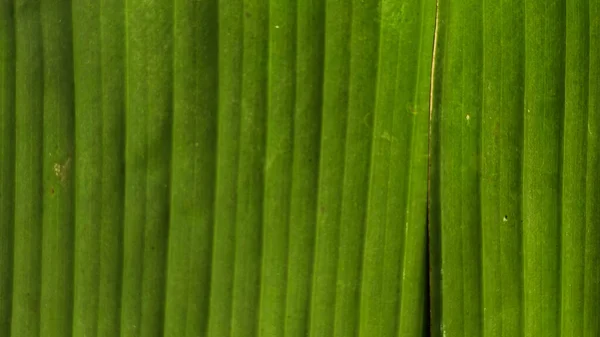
<point>214,168</point>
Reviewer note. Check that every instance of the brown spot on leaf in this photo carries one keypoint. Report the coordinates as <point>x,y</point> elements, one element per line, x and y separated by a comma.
<point>496,131</point>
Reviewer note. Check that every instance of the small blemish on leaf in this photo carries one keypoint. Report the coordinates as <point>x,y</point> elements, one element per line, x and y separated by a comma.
<point>62,170</point>
<point>412,109</point>
<point>386,136</point>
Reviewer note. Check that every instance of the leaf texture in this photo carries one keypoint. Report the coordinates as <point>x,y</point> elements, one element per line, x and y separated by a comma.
<point>214,168</point>
<point>514,184</point>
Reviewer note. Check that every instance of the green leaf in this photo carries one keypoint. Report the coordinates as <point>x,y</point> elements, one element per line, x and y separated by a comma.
<point>7,159</point>
<point>514,169</point>
<point>214,168</point>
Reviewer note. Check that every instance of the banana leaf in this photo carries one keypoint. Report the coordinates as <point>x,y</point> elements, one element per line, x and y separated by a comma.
<point>514,169</point>
<point>214,168</point>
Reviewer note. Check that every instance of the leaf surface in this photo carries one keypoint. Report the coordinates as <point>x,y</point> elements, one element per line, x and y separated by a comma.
<point>214,168</point>
<point>514,162</point>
